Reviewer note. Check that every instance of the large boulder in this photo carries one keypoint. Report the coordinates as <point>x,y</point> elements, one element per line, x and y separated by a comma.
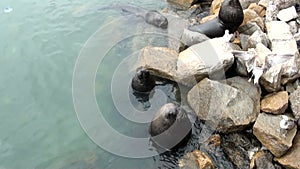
<point>267,130</point>
<point>226,107</point>
<point>211,58</point>
<point>183,4</point>
<point>291,158</point>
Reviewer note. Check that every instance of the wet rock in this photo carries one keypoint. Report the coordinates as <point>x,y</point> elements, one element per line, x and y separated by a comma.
<point>262,160</point>
<point>257,37</point>
<point>224,107</point>
<point>196,160</point>
<point>291,158</point>
<point>181,4</point>
<point>275,103</point>
<point>260,10</point>
<point>210,58</point>
<point>249,28</point>
<point>267,130</point>
<point>190,38</point>
<point>251,16</point>
<point>287,14</point>
<point>295,102</point>
<point>160,61</point>
<point>237,147</point>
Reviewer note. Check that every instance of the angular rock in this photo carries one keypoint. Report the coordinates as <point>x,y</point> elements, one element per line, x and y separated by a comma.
<point>260,10</point>
<point>275,103</point>
<point>271,79</point>
<point>244,40</point>
<point>267,130</point>
<point>295,102</point>
<point>257,37</point>
<point>227,108</point>
<point>262,160</point>
<point>262,53</point>
<point>287,14</point>
<point>291,158</point>
<point>282,4</point>
<point>160,60</point>
<point>244,61</point>
<point>210,58</point>
<point>251,16</point>
<point>249,28</point>
<point>182,4</point>
<point>293,27</point>
<point>280,35</point>
<point>247,3</point>
<point>196,159</point>
<point>264,3</point>
<point>215,7</point>
<point>237,146</point>
<point>190,38</point>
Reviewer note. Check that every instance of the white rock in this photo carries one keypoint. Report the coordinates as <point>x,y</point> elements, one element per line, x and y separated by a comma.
<point>287,14</point>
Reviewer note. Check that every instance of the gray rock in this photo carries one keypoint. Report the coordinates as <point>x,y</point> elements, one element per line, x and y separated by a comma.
<point>293,27</point>
<point>160,61</point>
<point>244,61</point>
<point>245,3</point>
<point>207,59</point>
<point>271,79</point>
<point>190,38</point>
<point>292,86</point>
<point>291,158</point>
<point>282,4</point>
<point>267,130</point>
<point>244,40</point>
<point>287,14</point>
<point>225,107</point>
<point>295,102</point>
<point>181,4</point>
<point>263,160</point>
<point>257,37</point>
<point>275,103</point>
<point>249,28</point>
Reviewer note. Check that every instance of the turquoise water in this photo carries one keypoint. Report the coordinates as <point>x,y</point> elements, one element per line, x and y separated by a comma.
<point>40,42</point>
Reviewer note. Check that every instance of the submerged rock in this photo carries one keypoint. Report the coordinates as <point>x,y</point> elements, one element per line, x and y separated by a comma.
<point>225,107</point>
<point>291,158</point>
<point>275,103</point>
<point>196,160</point>
<point>295,102</point>
<point>267,130</point>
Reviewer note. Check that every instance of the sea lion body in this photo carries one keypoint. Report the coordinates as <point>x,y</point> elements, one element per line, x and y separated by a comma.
<point>230,17</point>
<point>143,81</point>
<point>170,127</point>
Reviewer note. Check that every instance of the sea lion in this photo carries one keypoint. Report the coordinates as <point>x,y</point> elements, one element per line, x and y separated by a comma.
<point>143,81</point>
<point>152,17</point>
<point>230,17</point>
<point>170,127</point>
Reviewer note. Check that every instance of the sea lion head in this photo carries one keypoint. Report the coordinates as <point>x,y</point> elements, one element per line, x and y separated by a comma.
<point>143,81</point>
<point>157,19</point>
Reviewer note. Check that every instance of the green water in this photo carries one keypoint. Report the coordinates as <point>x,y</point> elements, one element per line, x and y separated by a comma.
<point>40,42</point>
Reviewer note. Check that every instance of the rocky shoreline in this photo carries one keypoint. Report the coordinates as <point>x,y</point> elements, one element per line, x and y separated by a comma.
<point>245,85</point>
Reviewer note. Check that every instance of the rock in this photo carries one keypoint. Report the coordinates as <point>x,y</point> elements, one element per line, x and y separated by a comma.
<point>293,27</point>
<point>282,4</point>
<point>244,40</point>
<point>280,35</point>
<point>181,4</point>
<point>263,3</point>
<point>262,160</point>
<point>190,38</point>
<point>246,3</point>
<point>295,102</point>
<point>249,28</point>
<point>215,7</point>
<point>267,130</point>
<point>271,79</point>
<point>208,18</point>
<point>262,53</point>
<point>237,147</point>
<point>228,108</point>
<point>251,16</point>
<point>292,86</point>
<point>271,12</point>
<point>275,103</point>
<point>291,158</point>
<point>287,14</point>
<point>160,61</point>
<point>196,160</point>
<point>244,61</point>
<point>210,58</point>
<point>257,37</point>
<point>260,10</point>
